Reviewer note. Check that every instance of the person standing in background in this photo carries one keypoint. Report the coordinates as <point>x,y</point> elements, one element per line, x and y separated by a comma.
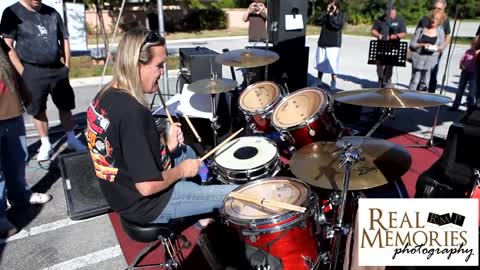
<point>467,75</point>
<point>437,5</point>
<point>256,15</point>
<point>426,44</point>
<point>41,40</point>
<point>329,42</point>
<point>396,29</point>
<point>13,145</point>
<point>477,67</point>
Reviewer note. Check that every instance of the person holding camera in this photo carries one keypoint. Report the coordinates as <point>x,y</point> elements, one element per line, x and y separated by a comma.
<point>256,15</point>
<point>330,41</point>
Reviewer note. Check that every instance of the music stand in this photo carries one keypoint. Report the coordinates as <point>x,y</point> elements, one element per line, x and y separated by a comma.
<point>388,53</point>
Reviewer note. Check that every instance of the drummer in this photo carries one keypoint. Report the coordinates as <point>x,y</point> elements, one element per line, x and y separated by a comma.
<point>143,174</point>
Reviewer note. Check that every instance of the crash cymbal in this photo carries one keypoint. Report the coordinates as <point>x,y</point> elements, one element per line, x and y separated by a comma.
<point>212,86</point>
<point>390,98</point>
<point>318,163</point>
<point>247,58</point>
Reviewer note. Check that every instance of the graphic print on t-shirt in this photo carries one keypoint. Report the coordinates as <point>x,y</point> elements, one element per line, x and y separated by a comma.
<point>100,148</point>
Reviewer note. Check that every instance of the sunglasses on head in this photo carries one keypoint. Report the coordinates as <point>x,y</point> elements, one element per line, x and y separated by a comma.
<point>151,37</point>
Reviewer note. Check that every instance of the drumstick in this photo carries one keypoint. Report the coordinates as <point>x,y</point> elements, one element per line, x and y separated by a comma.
<point>220,145</point>
<point>265,202</point>
<point>199,139</point>
<point>165,108</point>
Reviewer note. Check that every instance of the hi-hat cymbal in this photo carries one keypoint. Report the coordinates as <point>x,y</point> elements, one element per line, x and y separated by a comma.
<point>318,164</point>
<point>212,86</point>
<point>247,58</point>
<point>390,98</point>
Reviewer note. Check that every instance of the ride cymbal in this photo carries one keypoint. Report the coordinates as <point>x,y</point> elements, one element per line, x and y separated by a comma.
<point>318,164</point>
<point>212,86</point>
<point>390,98</point>
<point>247,58</point>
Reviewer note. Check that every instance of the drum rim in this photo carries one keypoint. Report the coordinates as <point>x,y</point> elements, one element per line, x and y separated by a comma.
<point>313,118</point>
<point>275,159</point>
<point>276,218</point>
<point>266,109</point>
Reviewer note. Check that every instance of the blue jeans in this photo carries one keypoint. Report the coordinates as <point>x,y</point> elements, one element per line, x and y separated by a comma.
<point>189,198</point>
<point>13,158</point>
<point>466,77</point>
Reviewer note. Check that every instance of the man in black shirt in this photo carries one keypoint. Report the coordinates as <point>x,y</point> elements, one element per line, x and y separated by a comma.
<point>396,29</point>
<point>424,21</point>
<point>141,173</point>
<point>41,40</point>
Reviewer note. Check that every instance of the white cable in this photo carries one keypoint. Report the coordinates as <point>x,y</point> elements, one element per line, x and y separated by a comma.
<point>111,42</point>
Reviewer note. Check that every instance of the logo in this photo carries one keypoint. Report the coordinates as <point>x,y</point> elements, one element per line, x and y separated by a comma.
<point>418,232</point>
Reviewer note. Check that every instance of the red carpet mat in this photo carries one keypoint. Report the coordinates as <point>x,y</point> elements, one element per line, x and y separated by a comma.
<point>422,159</point>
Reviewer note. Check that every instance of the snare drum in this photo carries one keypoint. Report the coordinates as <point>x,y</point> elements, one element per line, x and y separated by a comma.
<point>306,116</point>
<point>247,159</point>
<point>284,234</point>
<point>257,102</point>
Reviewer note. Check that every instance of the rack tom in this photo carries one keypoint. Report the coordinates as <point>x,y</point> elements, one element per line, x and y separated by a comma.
<point>257,102</point>
<point>306,116</point>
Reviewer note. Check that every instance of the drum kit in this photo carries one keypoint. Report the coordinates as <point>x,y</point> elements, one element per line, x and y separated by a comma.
<point>322,157</point>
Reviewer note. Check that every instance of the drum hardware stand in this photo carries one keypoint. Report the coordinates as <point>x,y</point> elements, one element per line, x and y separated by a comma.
<point>348,159</point>
<point>215,125</point>
<point>386,113</point>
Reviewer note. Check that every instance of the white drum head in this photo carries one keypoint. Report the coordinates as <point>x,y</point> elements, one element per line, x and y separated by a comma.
<point>259,96</point>
<point>275,189</point>
<point>298,107</point>
<point>246,153</point>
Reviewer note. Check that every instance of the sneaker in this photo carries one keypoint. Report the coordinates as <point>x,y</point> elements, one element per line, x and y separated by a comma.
<point>8,230</point>
<point>44,152</point>
<point>333,85</point>
<point>76,146</point>
<point>39,198</point>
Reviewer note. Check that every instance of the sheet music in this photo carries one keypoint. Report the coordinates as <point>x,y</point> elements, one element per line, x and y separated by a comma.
<point>293,22</point>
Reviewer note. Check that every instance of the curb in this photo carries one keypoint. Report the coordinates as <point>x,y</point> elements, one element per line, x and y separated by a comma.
<point>92,81</point>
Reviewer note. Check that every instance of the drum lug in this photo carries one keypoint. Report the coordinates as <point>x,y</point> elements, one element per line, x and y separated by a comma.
<point>311,131</point>
<point>286,137</point>
<point>307,261</point>
<point>253,127</point>
<point>252,238</point>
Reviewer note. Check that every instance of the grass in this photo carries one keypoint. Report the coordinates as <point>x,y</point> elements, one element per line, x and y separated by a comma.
<point>81,67</point>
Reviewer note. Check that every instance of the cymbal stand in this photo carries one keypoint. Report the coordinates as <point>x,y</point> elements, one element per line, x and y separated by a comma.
<point>348,159</point>
<point>386,113</point>
<point>215,125</point>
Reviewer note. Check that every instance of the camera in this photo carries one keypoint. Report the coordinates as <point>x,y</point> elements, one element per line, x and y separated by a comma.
<point>331,8</point>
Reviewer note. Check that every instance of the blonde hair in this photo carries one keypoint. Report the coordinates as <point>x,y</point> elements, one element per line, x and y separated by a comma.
<point>443,16</point>
<point>132,50</point>
<point>8,74</point>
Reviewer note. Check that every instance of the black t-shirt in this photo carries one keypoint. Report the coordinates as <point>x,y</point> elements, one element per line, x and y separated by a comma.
<point>331,34</point>
<point>397,26</point>
<point>38,35</point>
<point>125,148</point>
<point>4,46</point>
<point>424,21</point>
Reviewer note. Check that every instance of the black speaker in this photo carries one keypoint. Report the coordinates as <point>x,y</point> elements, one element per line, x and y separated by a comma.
<point>292,66</point>
<point>199,62</point>
<point>82,190</point>
<point>277,9</point>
